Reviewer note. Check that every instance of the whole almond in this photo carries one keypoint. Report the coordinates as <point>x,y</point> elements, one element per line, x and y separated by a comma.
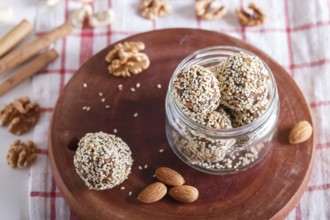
<point>184,193</point>
<point>300,132</point>
<point>152,193</point>
<point>169,177</point>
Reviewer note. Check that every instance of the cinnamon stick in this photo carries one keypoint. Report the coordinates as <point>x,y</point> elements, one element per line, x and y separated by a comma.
<point>28,70</point>
<point>14,36</point>
<point>27,51</point>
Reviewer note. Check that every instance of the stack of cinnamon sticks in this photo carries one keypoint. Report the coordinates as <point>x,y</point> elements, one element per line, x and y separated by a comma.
<point>33,51</point>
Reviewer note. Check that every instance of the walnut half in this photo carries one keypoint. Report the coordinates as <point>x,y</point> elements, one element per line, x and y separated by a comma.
<point>152,9</point>
<point>251,16</point>
<point>21,154</point>
<point>20,115</point>
<point>125,59</point>
<point>210,9</point>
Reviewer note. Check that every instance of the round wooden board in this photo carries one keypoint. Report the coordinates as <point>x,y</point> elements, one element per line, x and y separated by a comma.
<point>269,190</point>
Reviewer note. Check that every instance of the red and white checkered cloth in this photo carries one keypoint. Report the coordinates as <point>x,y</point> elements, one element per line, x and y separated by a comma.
<point>296,34</point>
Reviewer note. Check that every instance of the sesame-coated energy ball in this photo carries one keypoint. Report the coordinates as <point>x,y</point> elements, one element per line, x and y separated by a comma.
<point>240,118</point>
<point>197,89</point>
<point>218,119</point>
<point>243,81</point>
<point>102,160</point>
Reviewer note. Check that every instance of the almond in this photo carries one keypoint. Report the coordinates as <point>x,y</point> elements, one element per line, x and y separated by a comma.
<point>300,132</point>
<point>169,177</point>
<point>184,193</point>
<point>152,193</point>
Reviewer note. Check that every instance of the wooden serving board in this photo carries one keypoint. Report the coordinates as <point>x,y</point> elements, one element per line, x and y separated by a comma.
<point>269,190</point>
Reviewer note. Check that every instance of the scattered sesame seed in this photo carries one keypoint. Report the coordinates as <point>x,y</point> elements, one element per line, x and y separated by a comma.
<point>107,106</point>
<point>86,108</point>
<point>146,166</point>
<point>132,89</point>
<point>140,168</point>
<point>103,100</point>
<point>130,193</point>
<point>115,131</point>
<point>161,150</point>
<point>85,85</point>
<point>135,114</point>
<point>138,85</point>
<point>100,94</point>
<point>120,87</point>
<point>154,176</point>
<point>159,86</point>
<point>122,188</point>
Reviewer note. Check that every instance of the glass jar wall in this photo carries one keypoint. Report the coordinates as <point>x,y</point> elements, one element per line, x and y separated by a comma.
<point>220,151</point>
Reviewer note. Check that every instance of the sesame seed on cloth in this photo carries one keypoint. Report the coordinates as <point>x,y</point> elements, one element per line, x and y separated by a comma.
<point>243,81</point>
<point>102,160</point>
<point>197,89</point>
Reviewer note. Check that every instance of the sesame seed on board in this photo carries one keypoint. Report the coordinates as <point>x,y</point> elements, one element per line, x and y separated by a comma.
<point>86,108</point>
<point>120,87</point>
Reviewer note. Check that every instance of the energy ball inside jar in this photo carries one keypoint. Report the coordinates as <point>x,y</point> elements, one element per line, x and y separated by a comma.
<point>202,150</point>
<point>243,81</point>
<point>243,117</point>
<point>197,89</point>
<point>218,119</point>
<point>102,160</point>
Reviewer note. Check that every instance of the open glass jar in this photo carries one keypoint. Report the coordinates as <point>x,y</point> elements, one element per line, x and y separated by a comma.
<point>220,151</point>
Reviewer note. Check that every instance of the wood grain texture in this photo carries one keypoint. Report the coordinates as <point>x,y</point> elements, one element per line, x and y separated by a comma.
<point>269,190</point>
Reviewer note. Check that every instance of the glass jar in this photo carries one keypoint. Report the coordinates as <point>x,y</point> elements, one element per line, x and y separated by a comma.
<point>220,151</point>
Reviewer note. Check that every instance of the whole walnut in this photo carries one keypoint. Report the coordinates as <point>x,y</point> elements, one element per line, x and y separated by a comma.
<point>20,115</point>
<point>21,154</point>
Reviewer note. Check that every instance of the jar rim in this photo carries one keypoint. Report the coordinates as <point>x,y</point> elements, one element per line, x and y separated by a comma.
<point>232,132</point>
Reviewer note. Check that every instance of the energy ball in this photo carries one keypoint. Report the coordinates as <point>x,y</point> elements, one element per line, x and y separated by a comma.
<point>218,119</point>
<point>197,89</point>
<point>240,118</point>
<point>243,81</point>
<point>102,160</point>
